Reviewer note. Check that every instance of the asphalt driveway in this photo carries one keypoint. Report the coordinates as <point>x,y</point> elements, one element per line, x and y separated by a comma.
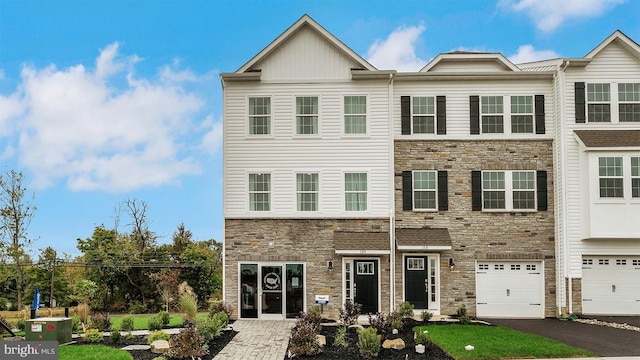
<point>602,340</point>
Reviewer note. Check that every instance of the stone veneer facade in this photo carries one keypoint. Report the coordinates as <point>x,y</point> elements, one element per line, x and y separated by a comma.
<point>478,235</point>
<point>307,241</point>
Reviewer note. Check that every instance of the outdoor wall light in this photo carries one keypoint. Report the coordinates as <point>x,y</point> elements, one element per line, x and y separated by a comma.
<point>329,266</point>
<point>452,265</point>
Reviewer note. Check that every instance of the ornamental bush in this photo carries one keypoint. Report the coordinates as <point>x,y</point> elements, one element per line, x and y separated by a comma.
<point>369,342</point>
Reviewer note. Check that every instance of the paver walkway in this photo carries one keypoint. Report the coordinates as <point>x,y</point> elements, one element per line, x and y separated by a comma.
<point>258,340</point>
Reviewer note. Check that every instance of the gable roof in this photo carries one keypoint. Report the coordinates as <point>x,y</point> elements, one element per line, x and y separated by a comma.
<point>619,37</point>
<point>468,56</point>
<point>305,20</point>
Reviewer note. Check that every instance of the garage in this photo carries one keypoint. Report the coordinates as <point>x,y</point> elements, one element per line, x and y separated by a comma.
<point>510,289</point>
<point>610,285</point>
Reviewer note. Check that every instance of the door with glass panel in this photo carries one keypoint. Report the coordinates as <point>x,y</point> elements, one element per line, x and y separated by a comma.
<point>421,281</point>
<point>272,299</point>
<point>365,285</point>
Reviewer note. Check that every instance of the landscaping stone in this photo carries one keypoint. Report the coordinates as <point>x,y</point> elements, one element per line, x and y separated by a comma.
<point>136,347</point>
<point>609,324</point>
<point>160,346</point>
<point>322,340</point>
<point>397,344</point>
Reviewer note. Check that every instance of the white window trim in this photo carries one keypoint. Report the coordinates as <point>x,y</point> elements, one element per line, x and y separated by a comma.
<point>270,135</point>
<point>506,115</point>
<point>594,179</point>
<point>435,114</point>
<point>620,102</point>
<point>344,192</point>
<point>532,114</point>
<point>367,115</point>
<point>295,199</point>
<point>413,192</point>
<point>295,117</point>
<point>248,192</point>
<point>613,103</point>
<point>508,189</point>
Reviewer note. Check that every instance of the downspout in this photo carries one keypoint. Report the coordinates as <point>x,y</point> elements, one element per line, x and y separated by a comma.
<point>392,225</point>
<point>563,174</point>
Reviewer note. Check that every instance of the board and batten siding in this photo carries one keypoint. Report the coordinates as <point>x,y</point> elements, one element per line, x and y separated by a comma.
<point>330,153</point>
<point>457,96</point>
<point>614,64</point>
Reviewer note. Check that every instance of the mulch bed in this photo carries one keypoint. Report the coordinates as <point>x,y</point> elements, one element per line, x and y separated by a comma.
<point>215,346</point>
<point>330,352</point>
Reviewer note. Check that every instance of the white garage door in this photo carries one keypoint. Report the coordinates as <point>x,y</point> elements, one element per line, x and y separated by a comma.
<point>510,289</point>
<point>611,285</point>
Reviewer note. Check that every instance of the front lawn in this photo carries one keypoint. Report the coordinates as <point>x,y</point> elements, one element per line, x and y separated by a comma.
<point>496,342</point>
<point>93,352</point>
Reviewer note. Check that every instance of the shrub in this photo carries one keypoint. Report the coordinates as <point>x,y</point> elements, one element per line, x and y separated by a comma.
<point>396,324</point>
<point>462,315</point>
<point>187,322</point>
<point>100,321</point>
<point>4,304</point>
<point>426,315</point>
<point>341,337</point>
<point>304,340</point>
<point>93,336</point>
<point>312,318</point>
<point>116,336</point>
<point>188,300</point>
<point>187,344</point>
<point>406,310</point>
<point>21,324</point>
<point>76,325</point>
<point>210,327</point>
<point>316,311</point>
<point>220,306</point>
<point>158,335</point>
<point>422,338</point>
<point>349,312</point>
<point>126,323</point>
<point>165,317</point>
<point>154,323</point>
<point>383,323</point>
<point>369,342</point>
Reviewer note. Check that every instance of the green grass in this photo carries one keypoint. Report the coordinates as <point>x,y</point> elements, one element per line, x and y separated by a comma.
<point>497,342</point>
<point>92,352</point>
<point>140,321</point>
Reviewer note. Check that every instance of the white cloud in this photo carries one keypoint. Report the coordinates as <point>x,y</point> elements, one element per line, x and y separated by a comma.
<point>74,124</point>
<point>212,140</point>
<point>397,51</point>
<point>550,14</point>
<point>526,53</point>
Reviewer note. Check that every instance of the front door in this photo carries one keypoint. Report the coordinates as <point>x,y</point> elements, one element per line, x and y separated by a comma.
<point>416,281</point>
<point>366,285</point>
<point>272,299</point>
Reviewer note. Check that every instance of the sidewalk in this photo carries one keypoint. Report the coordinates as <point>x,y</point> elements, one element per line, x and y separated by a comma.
<point>258,340</point>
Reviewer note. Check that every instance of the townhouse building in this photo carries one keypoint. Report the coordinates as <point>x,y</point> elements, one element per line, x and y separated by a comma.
<point>444,187</point>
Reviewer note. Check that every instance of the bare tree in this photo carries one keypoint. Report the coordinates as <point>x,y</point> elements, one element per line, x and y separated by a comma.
<point>16,213</point>
<point>137,211</point>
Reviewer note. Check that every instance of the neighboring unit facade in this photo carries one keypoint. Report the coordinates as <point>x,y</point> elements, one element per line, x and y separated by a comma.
<point>344,182</point>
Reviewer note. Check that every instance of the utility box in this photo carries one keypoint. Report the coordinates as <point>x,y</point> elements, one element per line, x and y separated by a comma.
<point>48,329</point>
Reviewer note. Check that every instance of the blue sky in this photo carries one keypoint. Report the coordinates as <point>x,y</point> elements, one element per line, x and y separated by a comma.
<point>101,101</point>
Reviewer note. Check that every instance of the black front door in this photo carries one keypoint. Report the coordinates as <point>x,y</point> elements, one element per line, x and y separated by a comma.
<point>366,285</point>
<point>416,281</point>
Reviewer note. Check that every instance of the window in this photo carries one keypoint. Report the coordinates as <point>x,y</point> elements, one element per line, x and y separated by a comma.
<point>621,262</point>
<point>492,111</point>
<point>603,261</point>
<point>423,115</point>
<point>610,176</point>
<point>259,116</point>
<point>415,264</point>
<point>498,267</point>
<point>635,177</point>
<point>598,103</point>
<point>365,268</point>
<point>531,267</point>
<point>424,190</point>
<point>355,191</point>
<point>307,192</point>
<point>515,267</point>
<point>509,190</point>
<point>355,114</point>
<point>259,192</point>
<point>521,114</point>
<point>483,266</point>
<point>587,261</point>
<point>307,115</point>
<point>629,102</point>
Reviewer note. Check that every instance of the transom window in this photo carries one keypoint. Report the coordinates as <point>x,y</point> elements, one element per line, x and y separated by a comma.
<point>424,190</point>
<point>423,115</point>
<point>259,192</point>
<point>355,114</point>
<point>610,173</point>
<point>415,264</point>
<point>598,103</point>
<point>307,192</point>
<point>259,116</point>
<point>508,190</point>
<point>492,114</point>
<point>522,114</point>
<point>307,115</point>
<point>629,102</point>
<point>365,268</point>
<point>355,191</point>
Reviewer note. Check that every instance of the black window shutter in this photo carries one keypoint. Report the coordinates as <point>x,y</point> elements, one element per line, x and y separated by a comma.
<point>474,112</point>
<point>581,117</point>
<point>405,114</point>
<point>443,191</point>
<point>541,177</point>
<point>441,116</point>
<point>407,191</point>
<point>476,190</point>
<point>540,114</point>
